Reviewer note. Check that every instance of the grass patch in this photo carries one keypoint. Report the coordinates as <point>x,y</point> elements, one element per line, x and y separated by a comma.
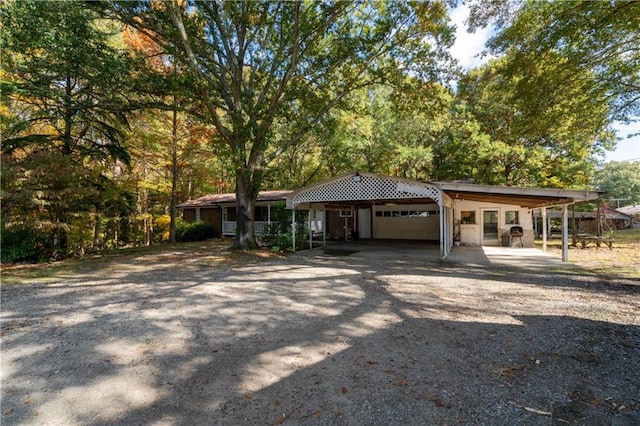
<point>160,254</point>
<point>621,261</point>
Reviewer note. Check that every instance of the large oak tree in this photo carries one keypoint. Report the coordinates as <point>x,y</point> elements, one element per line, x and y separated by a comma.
<point>258,65</point>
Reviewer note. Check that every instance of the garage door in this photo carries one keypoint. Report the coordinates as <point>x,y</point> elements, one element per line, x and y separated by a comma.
<point>410,222</point>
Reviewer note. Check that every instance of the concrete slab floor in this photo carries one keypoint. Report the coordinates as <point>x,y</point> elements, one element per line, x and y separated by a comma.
<point>430,251</point>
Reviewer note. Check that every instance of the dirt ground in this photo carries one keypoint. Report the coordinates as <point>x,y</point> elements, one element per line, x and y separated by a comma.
<point>197,336</point>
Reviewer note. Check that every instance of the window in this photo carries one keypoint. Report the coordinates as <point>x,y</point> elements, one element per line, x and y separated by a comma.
<point>230,214</point>
<point>468,217</point>
<point>261,213</point>
<point>511,217</point>
<point>346,213</point>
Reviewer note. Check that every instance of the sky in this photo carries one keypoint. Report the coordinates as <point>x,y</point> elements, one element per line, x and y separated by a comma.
<point>467,49</point>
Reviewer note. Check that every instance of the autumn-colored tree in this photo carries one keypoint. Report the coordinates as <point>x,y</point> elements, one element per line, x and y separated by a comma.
<point>63,111</point>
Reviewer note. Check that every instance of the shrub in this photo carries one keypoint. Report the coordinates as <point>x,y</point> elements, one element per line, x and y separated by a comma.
<point>23,245</point>
<point>161,225</point>
<point>196,231</point>
<point>276,237</point>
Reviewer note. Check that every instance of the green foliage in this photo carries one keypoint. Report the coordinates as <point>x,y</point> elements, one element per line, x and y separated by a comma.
<point>277,237</point>
<point>64,77</point>
<point>620,180</point>
<point>568,70</point>
<point>586,45</point>
<point>196,231</point>
<point>63,118</point>
<point>379,129</point>
<point>500,137</point>
<point>23,245</point>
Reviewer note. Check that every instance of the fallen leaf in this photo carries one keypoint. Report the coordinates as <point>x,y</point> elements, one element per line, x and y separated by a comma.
<point>343,390</point>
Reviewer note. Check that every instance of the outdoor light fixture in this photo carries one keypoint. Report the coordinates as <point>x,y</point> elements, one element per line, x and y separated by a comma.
<point>357,177</point>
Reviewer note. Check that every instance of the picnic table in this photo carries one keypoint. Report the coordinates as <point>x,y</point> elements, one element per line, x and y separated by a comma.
<point>585,240</point>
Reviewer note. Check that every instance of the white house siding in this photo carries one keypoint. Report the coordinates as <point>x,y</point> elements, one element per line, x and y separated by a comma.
<point>471,234</point>
<point>407,222</point>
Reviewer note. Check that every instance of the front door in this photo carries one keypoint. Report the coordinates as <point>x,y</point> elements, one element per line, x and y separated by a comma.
<point>490,227</point>
<point>364,223</point>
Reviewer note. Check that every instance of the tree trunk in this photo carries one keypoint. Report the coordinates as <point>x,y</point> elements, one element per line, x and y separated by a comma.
<point>174,174</point>
<point>245,203</point>
<point>96,232</point>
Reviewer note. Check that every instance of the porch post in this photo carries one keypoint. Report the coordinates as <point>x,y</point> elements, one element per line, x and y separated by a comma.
<point>544,229</point>
<point>355,222</point>
<point>449,226</point>
<point>442,255</point>
<point>293,228</point>
<point>269,214</point>
<point>565,233</point>
<point>310,231</point>
<point>324,225</point>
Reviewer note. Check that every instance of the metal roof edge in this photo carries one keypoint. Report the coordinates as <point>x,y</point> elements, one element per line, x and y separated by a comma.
<point>582,195</point>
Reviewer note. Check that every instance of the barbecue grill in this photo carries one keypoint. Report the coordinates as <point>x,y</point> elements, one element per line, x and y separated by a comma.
<point>516,232</point>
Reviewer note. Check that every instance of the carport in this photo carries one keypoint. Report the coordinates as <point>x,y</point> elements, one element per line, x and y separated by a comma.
<point>392,204</point>
<point>527,198</point>
<point>399,208</point>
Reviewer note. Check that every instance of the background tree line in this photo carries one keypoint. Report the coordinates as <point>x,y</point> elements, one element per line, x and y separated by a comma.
<point>114,112</point>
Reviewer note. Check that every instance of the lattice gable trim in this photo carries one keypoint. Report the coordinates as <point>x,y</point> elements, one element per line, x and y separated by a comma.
<point>368,187</point>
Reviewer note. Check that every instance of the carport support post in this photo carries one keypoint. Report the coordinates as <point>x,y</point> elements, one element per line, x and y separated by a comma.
<point>565,233</point>
<point>293,228</point>
<point>442,243</point>
<point>544,229</point>
<point>310,231</point>
<point>324,225</point>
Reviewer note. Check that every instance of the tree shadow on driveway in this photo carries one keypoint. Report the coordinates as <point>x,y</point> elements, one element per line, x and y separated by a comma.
<point>321,341</point>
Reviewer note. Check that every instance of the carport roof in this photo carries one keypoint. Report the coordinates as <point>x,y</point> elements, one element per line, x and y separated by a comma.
<point>524,197</point>
<point>345,189</point>
<point>360,188</point>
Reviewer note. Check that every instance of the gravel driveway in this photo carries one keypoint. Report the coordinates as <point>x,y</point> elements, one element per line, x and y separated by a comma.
<point>312,339</point>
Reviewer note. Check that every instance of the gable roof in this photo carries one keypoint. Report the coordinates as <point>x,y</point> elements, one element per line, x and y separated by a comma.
<point>215,200</point>
<point>363,189</point>
<point>630,210</point>
<point>358,187</point>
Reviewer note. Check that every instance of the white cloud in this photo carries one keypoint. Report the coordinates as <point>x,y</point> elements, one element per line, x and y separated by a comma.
<point>468,46</point>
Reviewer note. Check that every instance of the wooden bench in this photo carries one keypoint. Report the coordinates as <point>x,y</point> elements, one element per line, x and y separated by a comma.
<point>586,240</point>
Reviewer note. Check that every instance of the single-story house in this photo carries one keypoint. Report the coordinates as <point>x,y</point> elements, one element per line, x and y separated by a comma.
<point>369,205</point>
<point>220,210</point>
<point>633,211</point>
